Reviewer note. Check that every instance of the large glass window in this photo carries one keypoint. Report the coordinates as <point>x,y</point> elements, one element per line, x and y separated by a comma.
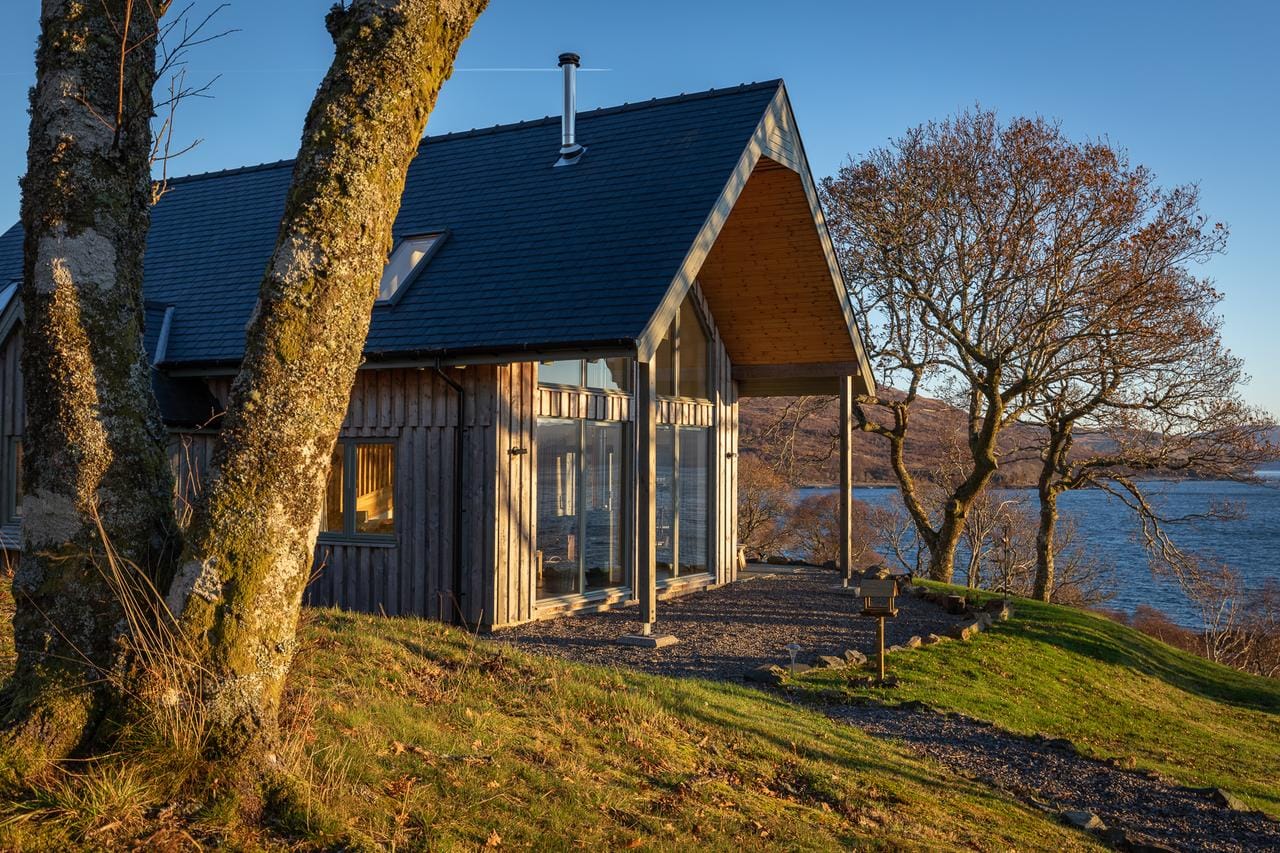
<point>580,507</point>
<point>694,349</point>
<point>359,498</point>
<point>559,572</point>
<point>683,500</point>
<point>606,374</point>
<point>682,361</point>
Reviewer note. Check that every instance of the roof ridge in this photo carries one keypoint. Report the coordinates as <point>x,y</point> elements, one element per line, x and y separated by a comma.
<point>499,128</point>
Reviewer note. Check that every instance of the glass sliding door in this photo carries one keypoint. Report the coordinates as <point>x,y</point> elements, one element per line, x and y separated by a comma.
<point>559,444</point>
<point>683,497</point>
<point>581,506</point>
<point>695,506</point>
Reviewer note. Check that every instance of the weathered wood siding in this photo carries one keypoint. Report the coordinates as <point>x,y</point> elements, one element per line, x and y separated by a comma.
<point>416,410</point>
<point>11,426</point>
<point>509,594</point>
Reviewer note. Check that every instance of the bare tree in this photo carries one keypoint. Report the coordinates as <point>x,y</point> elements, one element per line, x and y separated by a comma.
<point>1146,372</point>
<point>967,245</point>
<point>764,499</point>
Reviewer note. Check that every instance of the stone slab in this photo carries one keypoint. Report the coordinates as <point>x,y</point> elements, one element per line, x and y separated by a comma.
<point>648,641</point>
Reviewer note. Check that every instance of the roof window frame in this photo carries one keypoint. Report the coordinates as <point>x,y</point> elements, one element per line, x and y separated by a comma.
<point>440,235</point>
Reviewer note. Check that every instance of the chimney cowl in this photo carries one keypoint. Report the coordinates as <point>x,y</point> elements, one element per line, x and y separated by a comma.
<point>570,151</point>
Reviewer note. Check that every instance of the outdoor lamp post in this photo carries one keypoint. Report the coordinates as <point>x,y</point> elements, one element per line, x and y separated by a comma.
<point>879,599</point>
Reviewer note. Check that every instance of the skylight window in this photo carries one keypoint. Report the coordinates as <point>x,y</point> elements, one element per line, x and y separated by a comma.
<point>405,261</point>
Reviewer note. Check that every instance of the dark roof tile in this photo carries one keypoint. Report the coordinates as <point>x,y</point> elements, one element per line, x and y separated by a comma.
<point>536,256</point>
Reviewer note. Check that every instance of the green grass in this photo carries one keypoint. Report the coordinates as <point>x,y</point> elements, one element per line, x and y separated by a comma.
<point>409,735</point>
<point>1113,691</point>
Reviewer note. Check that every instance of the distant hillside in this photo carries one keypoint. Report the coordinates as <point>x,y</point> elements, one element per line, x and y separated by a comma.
<point>931,421</point>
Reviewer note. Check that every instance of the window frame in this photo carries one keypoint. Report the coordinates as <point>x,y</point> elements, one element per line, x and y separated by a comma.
<point>349,534</point>
<point>440,236</point>
<point>582,375</point>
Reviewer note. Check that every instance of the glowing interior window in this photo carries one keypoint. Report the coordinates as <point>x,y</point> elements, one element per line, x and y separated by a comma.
<point>403,262</point>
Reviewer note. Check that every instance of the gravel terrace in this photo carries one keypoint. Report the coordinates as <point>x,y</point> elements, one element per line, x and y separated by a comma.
<point>726,632</point>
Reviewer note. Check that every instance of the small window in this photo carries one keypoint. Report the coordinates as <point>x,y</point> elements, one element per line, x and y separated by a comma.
<point>403,263</point>
<point>359,498</point>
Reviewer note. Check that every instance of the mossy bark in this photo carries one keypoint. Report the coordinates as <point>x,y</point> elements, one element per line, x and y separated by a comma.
<point>251,544</point>
<point>94,443</point>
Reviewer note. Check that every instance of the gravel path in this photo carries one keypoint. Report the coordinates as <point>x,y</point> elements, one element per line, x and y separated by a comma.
<point>1051,775</point>
<point>726,632</point>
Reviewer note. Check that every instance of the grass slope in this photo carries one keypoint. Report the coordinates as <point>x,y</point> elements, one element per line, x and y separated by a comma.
<point>411,735</point>
<point>438,736</point>
<point>1114,692</point>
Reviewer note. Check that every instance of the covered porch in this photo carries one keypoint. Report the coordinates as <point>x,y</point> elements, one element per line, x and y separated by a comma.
<point>769,276</point>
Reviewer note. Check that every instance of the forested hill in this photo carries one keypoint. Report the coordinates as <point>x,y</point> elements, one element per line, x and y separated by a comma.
<point>931,422</point>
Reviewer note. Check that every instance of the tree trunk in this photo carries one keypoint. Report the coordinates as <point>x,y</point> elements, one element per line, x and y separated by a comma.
<point>251,544</point>
<point>1045,545</point>
<point>942,548</point>
<point>94,445</point>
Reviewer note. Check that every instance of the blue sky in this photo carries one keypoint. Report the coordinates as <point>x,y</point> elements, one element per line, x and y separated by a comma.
<point>1192,90</point>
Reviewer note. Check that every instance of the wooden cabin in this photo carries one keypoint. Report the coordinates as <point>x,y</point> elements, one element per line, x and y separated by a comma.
<point>547,416</point>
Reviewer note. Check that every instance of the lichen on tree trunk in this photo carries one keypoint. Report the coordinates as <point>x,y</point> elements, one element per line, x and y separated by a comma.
<point>94,443</point>
<point>251,543</point>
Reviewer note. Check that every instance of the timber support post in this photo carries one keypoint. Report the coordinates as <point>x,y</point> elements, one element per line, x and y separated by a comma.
<point>846,481</point>
<point>645,491</point>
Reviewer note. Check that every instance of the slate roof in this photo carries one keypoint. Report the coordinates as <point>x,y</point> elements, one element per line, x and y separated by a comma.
<point>536,257</point>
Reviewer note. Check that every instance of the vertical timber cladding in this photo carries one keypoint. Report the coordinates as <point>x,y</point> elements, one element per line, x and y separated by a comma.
<point>416,410</point>
<point>510,498</point>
